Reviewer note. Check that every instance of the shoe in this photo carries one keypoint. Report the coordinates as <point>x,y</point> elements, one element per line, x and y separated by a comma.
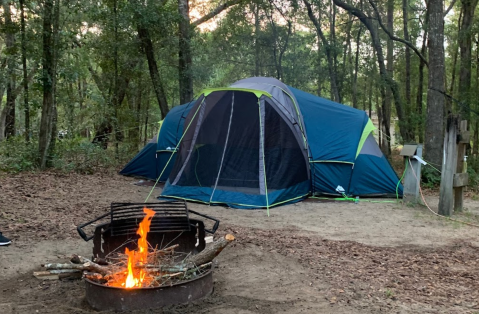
<point>3,240</point>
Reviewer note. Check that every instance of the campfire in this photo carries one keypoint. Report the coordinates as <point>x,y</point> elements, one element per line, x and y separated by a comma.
<point>146,263</point>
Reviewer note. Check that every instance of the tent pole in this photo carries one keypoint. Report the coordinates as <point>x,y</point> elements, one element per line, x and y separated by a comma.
<point>264,166</point>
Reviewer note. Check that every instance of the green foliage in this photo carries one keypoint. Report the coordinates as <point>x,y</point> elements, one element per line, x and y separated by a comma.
<point>17,156</point>
<point>79,155</point>
<point>430,177</point>
<point>473,172</point>
<point>71,155</point>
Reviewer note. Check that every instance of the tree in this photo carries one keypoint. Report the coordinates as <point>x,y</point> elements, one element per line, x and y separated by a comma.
<point>184,53</point>
<point>465,44</point>
<point>9,111</point>
<point>435,96</point>
<point>46,124</point>
<point>25,72</point>
<point>388,80</point>
<point>329,55</point>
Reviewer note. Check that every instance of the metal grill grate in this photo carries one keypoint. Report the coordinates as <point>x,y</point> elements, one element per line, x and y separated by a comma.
<point>170,216</point>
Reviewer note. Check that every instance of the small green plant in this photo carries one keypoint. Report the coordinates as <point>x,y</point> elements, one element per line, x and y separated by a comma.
<point>389,293</point>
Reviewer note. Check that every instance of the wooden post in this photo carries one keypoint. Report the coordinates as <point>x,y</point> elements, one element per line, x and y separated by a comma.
<point>449,165</point>
<point>413,173</point>
<point>460,178</point>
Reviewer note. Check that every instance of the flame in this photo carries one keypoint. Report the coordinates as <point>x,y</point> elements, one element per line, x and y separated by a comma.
<point>134,278</point>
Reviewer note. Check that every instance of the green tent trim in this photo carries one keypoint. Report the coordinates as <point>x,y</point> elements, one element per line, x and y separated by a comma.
<point>366,131</point>
<point>258,93</point>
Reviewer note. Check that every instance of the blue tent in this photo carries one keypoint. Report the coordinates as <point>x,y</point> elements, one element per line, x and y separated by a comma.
<point>151,160</point>
<point>260,143</point>
<point>143,165</point>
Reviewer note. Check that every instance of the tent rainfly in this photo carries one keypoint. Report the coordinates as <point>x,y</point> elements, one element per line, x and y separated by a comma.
<point>260,143</point>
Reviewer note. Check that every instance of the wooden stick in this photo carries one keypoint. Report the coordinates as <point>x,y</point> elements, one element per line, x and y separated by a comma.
<point>210,252</point>
<point>86,266</point>
<point>57,274</point>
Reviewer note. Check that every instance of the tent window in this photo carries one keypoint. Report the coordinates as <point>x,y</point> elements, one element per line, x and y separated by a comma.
<point>284,160</point>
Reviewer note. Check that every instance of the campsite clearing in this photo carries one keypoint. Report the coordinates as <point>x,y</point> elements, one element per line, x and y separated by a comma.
<point>309,257</point>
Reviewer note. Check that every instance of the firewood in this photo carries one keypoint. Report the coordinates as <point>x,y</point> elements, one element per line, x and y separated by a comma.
<point>210,252</point>
<point>86,266</point>
<point>96,277</point>
<point>165,251</point>
<point>56,274</point>
<point>77,259</point>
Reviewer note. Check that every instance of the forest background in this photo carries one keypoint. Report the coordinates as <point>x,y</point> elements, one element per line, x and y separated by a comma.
<point>83,84</point>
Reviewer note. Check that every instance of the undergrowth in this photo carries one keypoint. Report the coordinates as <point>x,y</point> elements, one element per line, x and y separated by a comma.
<point>70,155</point>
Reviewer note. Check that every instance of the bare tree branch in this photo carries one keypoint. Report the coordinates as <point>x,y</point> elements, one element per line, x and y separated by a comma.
<point>215,12</point>
<point>392,37</point>
<point>453,2</point>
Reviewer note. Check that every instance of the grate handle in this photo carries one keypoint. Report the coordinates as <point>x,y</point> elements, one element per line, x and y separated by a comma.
<point>216,225</point>
<point>82,233</point>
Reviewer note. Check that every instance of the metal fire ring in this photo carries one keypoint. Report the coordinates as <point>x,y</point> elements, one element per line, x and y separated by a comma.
<point>104,298</point>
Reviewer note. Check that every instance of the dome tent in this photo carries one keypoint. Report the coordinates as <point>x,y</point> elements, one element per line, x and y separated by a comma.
<point>260,143</point>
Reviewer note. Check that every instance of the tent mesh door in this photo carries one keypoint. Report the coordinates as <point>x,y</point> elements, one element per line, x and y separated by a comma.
<point>239,170</point>
<point>284,159</point>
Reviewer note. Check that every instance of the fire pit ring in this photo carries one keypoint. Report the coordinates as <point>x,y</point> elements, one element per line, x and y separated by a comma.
<point>102,298</point>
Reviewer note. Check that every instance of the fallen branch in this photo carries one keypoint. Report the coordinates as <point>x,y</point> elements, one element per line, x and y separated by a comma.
<point>56,274</point>
<point>210,252</point>
<point>86,266</point>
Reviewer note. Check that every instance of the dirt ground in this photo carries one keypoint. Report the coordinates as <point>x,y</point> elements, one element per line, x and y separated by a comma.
<point>309,257</point>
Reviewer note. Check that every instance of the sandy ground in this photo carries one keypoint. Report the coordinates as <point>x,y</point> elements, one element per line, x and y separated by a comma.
<point>310,257</point>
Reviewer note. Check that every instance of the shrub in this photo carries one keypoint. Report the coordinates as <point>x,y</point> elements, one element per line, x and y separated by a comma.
<point>16,155</point>
<point>79,155</point>
<point>430,177</point>
<point>70,155</point>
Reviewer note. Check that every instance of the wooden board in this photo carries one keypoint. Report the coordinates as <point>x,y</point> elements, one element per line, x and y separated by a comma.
<point>460,179</point>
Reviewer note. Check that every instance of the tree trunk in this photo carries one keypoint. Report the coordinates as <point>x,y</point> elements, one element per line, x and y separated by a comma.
<point>116,102</point>
<point>420,85</point>
<point>9,129</point>
<point>410,124</point>
<point>390,70</point>
<point>56,46</point>
<point>452,84</point>
<point>356,68</point>
<point>25,74</point>
<point>147,110</point>
<point>47,78</point>
<point>328,51</point>
<point>334,52</point>
<point>147,45</point>
<point>256,40</point>
<point>185,62</point>
<point>475,141</point>
<point>465,44</point>
<point>435,96</point>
